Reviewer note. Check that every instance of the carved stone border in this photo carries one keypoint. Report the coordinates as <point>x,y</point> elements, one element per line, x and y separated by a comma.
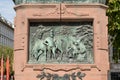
<point>66,67</point>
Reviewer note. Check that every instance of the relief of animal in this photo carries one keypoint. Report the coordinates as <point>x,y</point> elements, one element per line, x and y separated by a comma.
<point>39,50</point>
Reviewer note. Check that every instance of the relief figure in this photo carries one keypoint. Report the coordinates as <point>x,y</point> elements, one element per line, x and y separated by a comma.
<point>58,43</point>
<point>51,48</point>
<point>39,50</point>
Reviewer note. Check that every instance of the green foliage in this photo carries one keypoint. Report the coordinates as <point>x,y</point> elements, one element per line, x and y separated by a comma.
<point>113,14</point>
<point>6,51</point>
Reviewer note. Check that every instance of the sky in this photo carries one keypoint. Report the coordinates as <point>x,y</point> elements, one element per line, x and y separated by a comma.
<point>6,10</point>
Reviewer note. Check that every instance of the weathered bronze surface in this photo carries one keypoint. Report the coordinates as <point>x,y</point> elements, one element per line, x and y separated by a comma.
<point>70,42</point>
<point>72,76</point>
<point>59,1</point>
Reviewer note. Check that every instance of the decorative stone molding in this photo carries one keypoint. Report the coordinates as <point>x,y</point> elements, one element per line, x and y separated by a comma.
<point>62,68</point>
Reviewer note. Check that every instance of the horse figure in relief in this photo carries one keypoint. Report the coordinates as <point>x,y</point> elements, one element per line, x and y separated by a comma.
<point>39,50</point>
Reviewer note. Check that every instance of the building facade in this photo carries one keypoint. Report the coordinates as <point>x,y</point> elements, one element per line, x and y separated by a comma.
<point>114,73</point>
<point>6,33</point>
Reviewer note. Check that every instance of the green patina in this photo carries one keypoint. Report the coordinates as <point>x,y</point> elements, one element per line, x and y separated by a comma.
<point>58,1</point>
<point>60,42</point>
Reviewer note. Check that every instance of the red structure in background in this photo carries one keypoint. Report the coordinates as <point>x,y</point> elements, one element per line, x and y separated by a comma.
<point>7,69</point>
<point>2,68</point>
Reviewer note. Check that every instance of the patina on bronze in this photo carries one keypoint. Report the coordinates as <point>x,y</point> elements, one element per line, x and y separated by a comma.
<point>72,76</point>
<point>62,42</point>
<point>59,1</point>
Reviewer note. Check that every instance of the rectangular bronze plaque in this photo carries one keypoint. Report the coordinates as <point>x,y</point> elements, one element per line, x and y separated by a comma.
<point>61,42</point>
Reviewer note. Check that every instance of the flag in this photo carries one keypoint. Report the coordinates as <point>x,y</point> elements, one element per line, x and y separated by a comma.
<point>2,68</point>
<point>7,68</point>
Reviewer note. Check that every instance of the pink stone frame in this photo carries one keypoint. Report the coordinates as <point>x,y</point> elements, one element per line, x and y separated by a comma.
<point>35,12</point>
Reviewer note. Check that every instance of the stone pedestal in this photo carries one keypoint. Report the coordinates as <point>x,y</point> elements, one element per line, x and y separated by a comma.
<point>27,13</point>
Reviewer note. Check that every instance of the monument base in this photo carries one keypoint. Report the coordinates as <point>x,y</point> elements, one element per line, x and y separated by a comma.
<point>96,69</point>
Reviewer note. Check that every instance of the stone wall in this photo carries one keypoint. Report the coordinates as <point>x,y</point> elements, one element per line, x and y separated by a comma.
<point>26,13</point>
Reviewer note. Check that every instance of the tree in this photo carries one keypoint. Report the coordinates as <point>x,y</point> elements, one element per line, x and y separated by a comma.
<point>7,51</point>
<point>113,14</point>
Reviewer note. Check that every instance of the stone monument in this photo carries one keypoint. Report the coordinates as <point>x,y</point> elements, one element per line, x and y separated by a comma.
<point>60,40</point>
